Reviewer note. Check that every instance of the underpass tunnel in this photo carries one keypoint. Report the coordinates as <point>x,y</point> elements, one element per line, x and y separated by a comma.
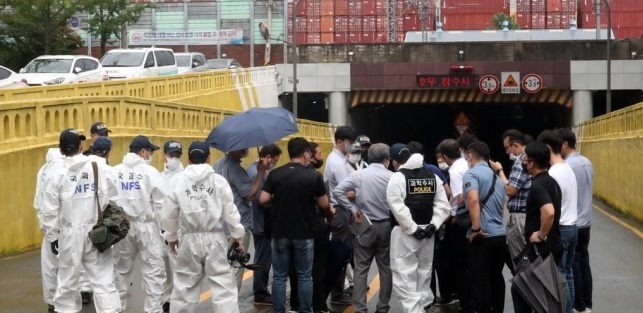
<point>430,123</point>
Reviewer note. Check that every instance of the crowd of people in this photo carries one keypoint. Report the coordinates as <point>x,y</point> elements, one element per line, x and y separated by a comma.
<point>435,231</point>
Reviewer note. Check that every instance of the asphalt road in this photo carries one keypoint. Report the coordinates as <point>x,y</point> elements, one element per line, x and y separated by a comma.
<point>616,258</point>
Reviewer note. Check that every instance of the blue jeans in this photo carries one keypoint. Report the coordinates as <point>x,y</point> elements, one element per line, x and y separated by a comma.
<point>568,235</point>
<point>301,253</point>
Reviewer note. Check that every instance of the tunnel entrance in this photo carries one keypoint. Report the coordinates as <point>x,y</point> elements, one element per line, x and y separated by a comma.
<point>431,123</point>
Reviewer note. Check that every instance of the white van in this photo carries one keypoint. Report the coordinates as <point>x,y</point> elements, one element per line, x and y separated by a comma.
<point>139,63</point>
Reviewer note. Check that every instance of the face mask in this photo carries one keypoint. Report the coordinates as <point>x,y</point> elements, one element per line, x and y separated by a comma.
<point>318,163</point>
<point>524,167</point>
<point>244,153</point>
<point>443,166</point>
<point>149,158</point>
<point>271,167</point>
<point>172,163</point>
<point>365,155</point>
<point>354,158</point>
<point>512,157</point>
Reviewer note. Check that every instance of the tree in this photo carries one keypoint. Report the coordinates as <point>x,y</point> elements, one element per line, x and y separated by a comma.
<point>109,16</point>
<point>498,18</point>
<point>36,27</point>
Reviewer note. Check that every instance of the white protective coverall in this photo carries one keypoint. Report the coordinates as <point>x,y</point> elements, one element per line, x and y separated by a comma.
<point>169,181</point>
<point>48,260</point>
<point>141,194</point>
<point>412,259</point>
<point>69,212</point>
<point>195,208</point>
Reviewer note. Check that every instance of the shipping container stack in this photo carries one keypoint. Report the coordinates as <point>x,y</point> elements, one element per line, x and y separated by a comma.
<point>627,17</point>
<point>349,21</point>
<point>468,15</point>
<point>546,14</point>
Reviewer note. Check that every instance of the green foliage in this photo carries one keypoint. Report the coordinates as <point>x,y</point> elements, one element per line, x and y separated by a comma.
<point>36,27</point>
<point>498,18</point>
<point>109,16</point>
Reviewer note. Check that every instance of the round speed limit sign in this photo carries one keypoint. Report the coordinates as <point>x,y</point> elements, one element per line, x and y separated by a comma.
<point>489,84</point>
<point>532,83</point>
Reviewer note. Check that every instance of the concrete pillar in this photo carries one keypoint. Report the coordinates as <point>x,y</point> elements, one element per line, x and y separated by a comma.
<point>583,107</point>
<point>338,108</point>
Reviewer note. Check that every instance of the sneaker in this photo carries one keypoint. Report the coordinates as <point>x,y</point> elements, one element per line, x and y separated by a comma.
<point>444,301</point>
<point>267,301</point>
<point>344,299</point>
<point>50,308</point>
<point>428,306</point>
<point>86,297</point>
<point>349,290</point>
<point>382,310</point>
<point>588,310</point>
<point>166,307</point>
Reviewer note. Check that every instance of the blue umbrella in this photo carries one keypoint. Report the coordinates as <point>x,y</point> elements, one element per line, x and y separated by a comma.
<point>252,128</point>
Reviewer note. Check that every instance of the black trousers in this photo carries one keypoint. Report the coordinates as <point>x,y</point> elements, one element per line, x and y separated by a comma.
<point>460,262</point>
<point>442,266</point>
<point>582,272</point>
<point>320,261</point>
<point>486,261</point>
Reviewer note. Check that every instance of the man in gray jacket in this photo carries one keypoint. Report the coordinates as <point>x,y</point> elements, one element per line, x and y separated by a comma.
<point>372,215</point>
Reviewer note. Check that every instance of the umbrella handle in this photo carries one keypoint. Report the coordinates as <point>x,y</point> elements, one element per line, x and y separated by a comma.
<point>536,250</point>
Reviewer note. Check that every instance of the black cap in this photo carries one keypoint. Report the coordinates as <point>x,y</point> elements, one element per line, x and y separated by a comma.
<point>99,128</point>
<point>70,140</point>
<point>172,146</point>
<point>400,152</point>
<point>198,152</point>
<point>102,145</point>
<point>363,140</point>
<point>142,142</point>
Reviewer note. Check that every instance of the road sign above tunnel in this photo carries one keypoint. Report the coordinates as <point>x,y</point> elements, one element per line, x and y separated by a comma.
<point>532,83</point>
<point>510,82</point>
<point>462,122</point>
<point>489,84</point>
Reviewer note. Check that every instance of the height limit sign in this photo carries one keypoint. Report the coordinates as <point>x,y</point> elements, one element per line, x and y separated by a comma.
<point>510,83</point>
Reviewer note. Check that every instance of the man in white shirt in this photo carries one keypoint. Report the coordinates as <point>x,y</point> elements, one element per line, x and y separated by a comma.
<point>564,175</point>
<point>457,234</point>
<point>335,172</point>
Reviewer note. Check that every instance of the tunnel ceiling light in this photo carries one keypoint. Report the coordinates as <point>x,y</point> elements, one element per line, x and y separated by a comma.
<point>459,68</point>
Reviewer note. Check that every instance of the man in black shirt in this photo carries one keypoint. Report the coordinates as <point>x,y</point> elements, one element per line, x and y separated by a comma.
<point>543,211</point>
<point>294,190</point>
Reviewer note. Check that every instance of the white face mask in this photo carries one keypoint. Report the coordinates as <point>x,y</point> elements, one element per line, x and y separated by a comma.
<point>354,158</point>
<point>172,163</point>
<point>443,166</point>
<point>148,161</point>
<point>512,157</point>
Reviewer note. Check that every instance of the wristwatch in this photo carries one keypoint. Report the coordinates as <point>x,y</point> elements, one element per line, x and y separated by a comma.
<point>540,237</point>
<point>476,230</point>
<point>498,171</point>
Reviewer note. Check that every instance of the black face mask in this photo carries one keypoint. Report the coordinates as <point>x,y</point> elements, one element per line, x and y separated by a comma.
<point>524,167</point>
<point>365,156</point>
<point>318,163</point>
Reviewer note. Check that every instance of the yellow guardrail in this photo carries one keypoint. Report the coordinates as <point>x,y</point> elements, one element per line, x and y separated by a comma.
<point>163,87</point>
<point>29,128</point>
<point>614,144</point>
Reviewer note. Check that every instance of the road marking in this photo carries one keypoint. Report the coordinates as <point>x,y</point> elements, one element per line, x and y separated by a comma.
<point>375,287</point>
<point>616,219</point>
<point>208,294</point>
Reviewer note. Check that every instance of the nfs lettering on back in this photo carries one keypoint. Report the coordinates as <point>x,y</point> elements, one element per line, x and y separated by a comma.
<point>421,185</point>
<point>130,185</point>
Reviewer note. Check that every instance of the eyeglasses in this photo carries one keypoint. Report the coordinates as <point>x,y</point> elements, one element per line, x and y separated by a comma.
<point>509,146</point>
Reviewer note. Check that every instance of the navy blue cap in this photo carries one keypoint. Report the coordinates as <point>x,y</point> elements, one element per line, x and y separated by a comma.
<point>102,145</point>
<point>142,142</point>
<point>70,140</point>
<point>172,146</point>
<point>363,140</point>
<point>199,152</point>
<point>400,152</point>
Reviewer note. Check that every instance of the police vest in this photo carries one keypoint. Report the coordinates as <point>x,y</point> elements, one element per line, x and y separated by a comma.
<point>420,192</point>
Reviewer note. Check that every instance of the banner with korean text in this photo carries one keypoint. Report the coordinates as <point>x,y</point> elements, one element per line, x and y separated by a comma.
<point>182,37</point>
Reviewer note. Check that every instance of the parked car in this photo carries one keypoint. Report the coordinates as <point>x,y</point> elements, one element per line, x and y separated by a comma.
<point>62,69</point>
<point>191,62</point>
<point>138,63</point>
<point>9,79</point>
<point>216,64</point>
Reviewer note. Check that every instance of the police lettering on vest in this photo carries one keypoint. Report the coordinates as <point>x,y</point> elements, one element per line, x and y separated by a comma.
<point>420,193</point>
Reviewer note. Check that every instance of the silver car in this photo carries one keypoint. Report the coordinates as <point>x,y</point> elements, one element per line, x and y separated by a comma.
<point>216,64</point>
<point>191,62</point>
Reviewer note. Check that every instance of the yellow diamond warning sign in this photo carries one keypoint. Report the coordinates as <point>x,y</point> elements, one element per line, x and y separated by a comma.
<point>510,82</point>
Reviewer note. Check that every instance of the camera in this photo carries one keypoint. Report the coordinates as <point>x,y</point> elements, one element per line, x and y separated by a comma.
<point>238,255</point>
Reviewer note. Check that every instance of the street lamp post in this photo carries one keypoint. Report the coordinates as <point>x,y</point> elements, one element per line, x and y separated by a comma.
<point>295,57</point>
<point>608,92</point>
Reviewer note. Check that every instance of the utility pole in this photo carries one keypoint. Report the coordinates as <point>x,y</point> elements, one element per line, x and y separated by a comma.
<point>295,58</point>
<point>266,57</point>
<point>252,33</point>
<point>608,43</point>
<point>218,22</point>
